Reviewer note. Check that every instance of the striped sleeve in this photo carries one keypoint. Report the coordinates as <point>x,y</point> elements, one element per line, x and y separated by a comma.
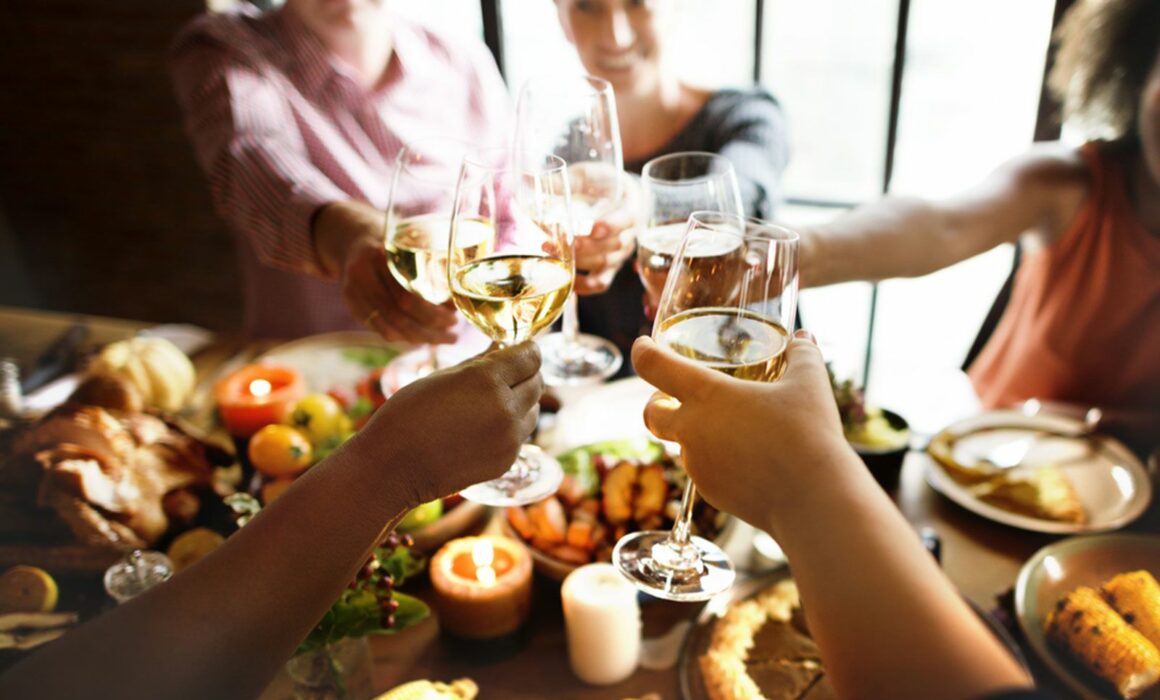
<point>247,143</point>
<point>752,134</point>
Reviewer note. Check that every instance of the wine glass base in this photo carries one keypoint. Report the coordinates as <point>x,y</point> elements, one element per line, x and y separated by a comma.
<point>699,573</point>
<point>534,477</point>
<point>587,360</point>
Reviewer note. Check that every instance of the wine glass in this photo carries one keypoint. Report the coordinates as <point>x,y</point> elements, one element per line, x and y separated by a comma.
<point>728,304</point>
<point>418,222</point>
<point>673,187</point>
<point>574,117</point>
<point>510,269</point>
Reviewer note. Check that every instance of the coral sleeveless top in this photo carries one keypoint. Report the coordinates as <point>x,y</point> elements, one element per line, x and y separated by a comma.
<point>1083,323</point>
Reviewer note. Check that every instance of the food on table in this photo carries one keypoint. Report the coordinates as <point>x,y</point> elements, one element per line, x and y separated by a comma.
<point>1135,595</point>
<point>104,480</point>
<point>863,425</point>
<point>191,546</point>
<point>160,372</point>
<point>27,589</point>
<point>320,417</point>
<point>279,450</point>
<point>1040,491</point>
<point>275,488</point>
<point>421,516</point>
<point>462,689</point>
<point>1084,625</point>
<point>27,630</point>
<point>110,391</point>
<point>760,649</point>
<point>609,489</point>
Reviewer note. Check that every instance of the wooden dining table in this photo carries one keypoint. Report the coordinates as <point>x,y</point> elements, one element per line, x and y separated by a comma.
<point>982,558</point>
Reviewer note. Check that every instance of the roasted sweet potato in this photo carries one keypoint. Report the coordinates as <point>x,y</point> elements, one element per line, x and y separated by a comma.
<point>579,535</point>
<point>570,492</point>
<point>549,520</point>
<point>651,494</point>
<point>520,522</point>
<point>619,487</point>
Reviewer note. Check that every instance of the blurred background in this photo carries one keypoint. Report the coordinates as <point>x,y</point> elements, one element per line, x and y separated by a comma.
<point>104,211</point>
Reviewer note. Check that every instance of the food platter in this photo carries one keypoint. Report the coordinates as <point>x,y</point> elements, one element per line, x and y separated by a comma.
<point>1109,481</point>
<point>1063,566</point>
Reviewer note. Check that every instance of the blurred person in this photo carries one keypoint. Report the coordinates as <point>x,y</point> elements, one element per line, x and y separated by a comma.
<point>1083,323</point>
<point>629,44</point>
<point>225,626</point>
<point>887,621</point>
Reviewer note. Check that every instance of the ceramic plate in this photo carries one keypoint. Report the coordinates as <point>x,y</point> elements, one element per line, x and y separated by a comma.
<point>1112,484</point>
<point>1063,566</point>
<point>697,642</point>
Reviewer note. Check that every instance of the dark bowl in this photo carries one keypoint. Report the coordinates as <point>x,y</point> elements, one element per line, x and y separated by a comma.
<point>885,463</point>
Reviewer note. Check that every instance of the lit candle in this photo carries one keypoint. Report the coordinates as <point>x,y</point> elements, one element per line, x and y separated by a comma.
<point>257,395</point>
<point>602,618</point>
<point>483,586</point>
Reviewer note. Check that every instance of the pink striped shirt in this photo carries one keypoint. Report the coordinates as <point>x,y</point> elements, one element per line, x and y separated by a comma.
<point>282,128</point>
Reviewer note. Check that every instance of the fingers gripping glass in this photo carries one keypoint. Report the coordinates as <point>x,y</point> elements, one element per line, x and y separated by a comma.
<point>509,270</point>
<point>728,304</point>
<point>574,117</point>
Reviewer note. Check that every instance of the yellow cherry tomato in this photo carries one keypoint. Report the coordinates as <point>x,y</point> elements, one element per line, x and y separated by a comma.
<point>279,450</point>
<point>319,416</point>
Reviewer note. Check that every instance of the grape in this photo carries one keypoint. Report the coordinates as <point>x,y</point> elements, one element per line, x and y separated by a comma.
<point>407,541</point>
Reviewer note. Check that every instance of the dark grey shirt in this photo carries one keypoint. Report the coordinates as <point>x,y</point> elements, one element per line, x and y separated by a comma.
<point>748,128</point>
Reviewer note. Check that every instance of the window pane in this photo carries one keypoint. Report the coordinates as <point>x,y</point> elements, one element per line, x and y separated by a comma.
<point>829,63</point>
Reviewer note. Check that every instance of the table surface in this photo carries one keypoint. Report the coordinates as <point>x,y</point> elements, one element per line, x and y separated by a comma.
<point>981,557</point>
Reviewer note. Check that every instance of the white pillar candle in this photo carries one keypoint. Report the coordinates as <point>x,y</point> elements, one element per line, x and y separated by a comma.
<point>603,624</point>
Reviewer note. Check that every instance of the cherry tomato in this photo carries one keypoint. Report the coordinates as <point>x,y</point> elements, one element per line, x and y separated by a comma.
<point>342,396</point>
<point>371,387</point>
<point>319,417</point>
<point>279,450</point>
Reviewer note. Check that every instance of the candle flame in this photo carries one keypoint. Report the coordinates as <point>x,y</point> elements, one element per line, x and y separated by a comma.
<point>260,387</point>
<point>482,555</point>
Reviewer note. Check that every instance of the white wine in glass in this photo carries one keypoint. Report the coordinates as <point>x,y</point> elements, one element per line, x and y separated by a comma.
<point>514,285</point>
<point>574,117</point>
<point>673,187</point>
<point>728,304</point>
<point>418,224</point>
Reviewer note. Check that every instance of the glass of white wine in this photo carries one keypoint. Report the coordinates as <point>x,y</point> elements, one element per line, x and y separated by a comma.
<point>574,117</point>
<point>515,284</point>
<point>728,304</point>
<point>673,187</point>
<point>418,224</point>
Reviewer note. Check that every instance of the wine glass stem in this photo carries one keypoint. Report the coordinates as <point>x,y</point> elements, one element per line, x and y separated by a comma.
<point>570,326</point>
<point>680,533</point>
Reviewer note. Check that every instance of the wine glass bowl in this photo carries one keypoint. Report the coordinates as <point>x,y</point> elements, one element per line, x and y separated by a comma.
<point>728,304</point>
<point>673,187</point>
<point>510,270</point>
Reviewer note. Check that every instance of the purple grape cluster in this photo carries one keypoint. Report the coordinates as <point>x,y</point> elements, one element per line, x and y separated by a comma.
<point>372,577</point>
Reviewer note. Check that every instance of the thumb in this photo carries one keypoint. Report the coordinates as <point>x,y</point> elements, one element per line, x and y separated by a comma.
<point>803,356</point>
<point>680,378</point>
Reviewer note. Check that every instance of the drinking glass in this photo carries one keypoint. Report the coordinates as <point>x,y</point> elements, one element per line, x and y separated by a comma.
<point>574,117</point>
<point>419,220</point>
<point>728,304</point>
<point>673,187</point>
<point>510,269</point>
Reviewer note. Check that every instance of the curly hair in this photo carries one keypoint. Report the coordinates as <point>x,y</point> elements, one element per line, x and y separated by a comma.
<point>1106,51</point>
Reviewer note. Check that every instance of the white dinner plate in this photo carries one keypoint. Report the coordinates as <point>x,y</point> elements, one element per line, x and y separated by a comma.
<point>1111,483</point>
<point>1061,567</point>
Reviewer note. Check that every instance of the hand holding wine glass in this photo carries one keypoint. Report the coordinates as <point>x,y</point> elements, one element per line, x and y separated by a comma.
<point>574,118</point>
<point>728,304</point>
<point>510,270</point>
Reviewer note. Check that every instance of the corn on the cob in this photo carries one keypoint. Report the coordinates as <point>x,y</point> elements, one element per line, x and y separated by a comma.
<point>1086,626</point>
<point>462,689</point>
<point>1136,596</point>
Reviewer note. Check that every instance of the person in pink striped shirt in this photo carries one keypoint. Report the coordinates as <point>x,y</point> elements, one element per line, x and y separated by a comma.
<point>296,116</point>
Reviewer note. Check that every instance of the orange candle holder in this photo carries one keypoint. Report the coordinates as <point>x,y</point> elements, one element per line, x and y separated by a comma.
<point>257,395</point>
<point>483,586</point>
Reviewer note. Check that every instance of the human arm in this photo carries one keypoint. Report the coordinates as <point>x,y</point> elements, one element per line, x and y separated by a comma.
<point>887,621</point>
<point>1038,192</point>
<point>265,185</point>
<point>222,628</point>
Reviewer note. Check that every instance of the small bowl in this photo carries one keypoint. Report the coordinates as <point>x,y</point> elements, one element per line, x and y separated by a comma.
<point>885,463</point>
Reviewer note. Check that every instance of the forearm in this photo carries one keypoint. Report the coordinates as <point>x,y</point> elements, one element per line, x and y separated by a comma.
<point>888,622</point>
<point>223,628</point>
<point>339,226</point>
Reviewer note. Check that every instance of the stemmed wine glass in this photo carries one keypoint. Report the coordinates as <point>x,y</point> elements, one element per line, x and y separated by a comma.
<point>574,117</point>
<point>729,304</point>
<point>510,270</point>
<point>419,219</point>
<point>673,187</point>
